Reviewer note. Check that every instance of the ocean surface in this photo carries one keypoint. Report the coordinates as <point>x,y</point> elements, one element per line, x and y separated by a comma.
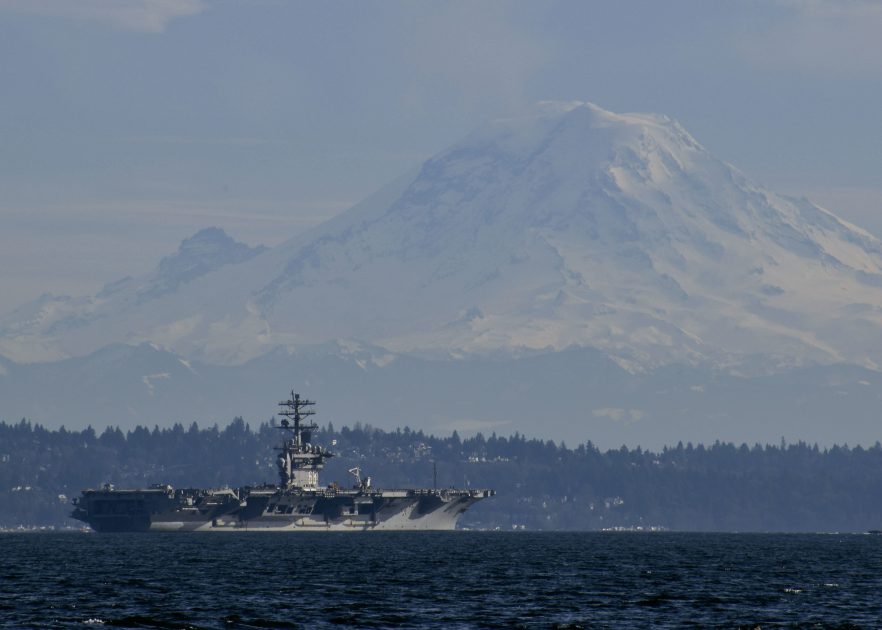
<point>440,580</point>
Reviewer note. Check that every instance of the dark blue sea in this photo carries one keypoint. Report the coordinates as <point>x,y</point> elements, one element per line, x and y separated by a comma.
<point>441,580</point>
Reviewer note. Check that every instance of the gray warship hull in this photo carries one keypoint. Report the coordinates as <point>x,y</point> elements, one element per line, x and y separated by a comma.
<point>266,510</point>
<point>297,504</point>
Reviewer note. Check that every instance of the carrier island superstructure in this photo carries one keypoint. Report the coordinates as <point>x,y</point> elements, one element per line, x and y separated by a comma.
<point>297,503</point>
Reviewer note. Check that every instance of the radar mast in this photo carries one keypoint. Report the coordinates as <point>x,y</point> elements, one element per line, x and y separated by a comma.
<point>299,460</point>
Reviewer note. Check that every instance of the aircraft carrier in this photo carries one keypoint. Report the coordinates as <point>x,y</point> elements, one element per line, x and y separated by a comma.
<point>297,504</point>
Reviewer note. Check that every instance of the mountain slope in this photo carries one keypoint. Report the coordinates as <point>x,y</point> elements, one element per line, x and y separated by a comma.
<point>55,327</point>
<point>573,226</point>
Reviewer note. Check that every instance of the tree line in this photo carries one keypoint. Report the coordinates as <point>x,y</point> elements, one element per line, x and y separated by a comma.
<point>539,484</point>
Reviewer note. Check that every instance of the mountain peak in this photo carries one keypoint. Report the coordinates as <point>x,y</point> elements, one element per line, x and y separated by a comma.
<point>208,242</point>
<point>595,114</point>
<point>590,114</point>
<point>574,225</point>
<point>555,108</point>
<point>207,250</point>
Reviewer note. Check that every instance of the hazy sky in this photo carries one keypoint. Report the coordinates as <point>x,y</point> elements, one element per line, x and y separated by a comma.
<point>126,125</point>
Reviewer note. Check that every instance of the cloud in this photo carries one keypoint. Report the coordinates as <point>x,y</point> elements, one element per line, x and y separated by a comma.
<point>232,141</point>
<point>834,8</point>
<point>827,37</point>
<point>624,416</point>
<point>477,54</point>
<point>147,16</point>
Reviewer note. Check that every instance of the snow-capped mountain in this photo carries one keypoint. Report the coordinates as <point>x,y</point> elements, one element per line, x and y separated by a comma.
<point>572,226</point>
<point>37,330</point>
<point>204,252</point>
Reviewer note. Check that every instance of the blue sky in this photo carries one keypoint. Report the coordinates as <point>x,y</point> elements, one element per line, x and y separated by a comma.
<point>126,125</point>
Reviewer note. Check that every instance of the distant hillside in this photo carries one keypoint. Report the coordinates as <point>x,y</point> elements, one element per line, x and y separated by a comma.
<point>540,485</point>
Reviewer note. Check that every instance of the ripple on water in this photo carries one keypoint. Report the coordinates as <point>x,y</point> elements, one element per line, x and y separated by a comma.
<point>443,580</point>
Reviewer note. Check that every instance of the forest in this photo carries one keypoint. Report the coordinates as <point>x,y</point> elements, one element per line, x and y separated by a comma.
<point>540,485</point>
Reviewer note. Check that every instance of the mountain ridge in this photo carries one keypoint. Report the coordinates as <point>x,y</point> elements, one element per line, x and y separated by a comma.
<point>571,226</point>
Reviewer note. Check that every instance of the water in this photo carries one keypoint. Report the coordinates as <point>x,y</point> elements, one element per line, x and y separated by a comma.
<point>442,580</point>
